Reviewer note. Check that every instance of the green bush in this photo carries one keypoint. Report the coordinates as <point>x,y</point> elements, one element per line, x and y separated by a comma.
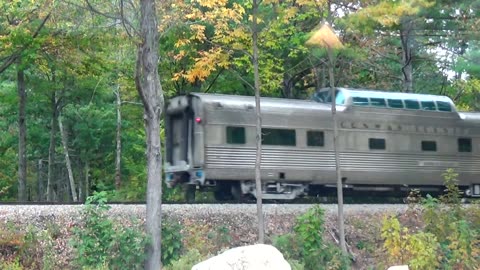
<point>171,241</point>
<point>99,242</point>
<point>187,261</point>
<point>306,246</point>
<point>14,265</point>
<point>449,240</point>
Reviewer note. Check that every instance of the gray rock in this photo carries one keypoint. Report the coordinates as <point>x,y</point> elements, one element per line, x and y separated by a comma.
<point>255,257</point>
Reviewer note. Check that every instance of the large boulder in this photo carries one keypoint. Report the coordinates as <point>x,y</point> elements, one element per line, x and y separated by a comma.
<point>255,257</point>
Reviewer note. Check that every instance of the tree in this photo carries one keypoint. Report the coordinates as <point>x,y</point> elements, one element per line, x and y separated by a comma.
<point>325,37</point>
<point>258,115</point>
<point>20,19</point>
<point>149,88</point>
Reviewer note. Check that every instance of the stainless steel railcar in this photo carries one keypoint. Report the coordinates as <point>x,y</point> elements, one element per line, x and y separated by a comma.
<point>386,141</point>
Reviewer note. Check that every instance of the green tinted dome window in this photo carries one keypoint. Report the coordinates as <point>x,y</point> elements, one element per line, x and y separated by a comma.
<point>412,104</point>
<point>378,102</point>
<point>360,101</point>
<point>444,106</point>
<point>429,106</point>
<point>395,103</point>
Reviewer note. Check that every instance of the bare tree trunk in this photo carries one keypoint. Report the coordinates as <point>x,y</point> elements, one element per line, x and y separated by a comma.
<point>39,181</point>
<point>406,37</point>
<point>22,135</point>
<point>63,135</point>
<point>148,85</point>
<point>258,180</point>
<point>87,179</point>
<point>338,169</point>
<point>51,148</point>
<point>118,158</point>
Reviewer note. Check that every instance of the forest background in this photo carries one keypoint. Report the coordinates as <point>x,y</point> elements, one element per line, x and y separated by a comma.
<point>67,74</point>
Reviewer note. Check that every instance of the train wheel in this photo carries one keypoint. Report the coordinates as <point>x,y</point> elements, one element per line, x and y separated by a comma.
<point>189,192</point>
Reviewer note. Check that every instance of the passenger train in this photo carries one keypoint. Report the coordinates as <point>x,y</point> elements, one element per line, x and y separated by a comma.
<point>386,141</point>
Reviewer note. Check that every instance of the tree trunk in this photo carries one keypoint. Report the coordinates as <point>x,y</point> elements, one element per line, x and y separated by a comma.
<point>338,169</point>
<point>51,148</point>
<point>39,181</point>
<point>148,85</point>
<point>118,158</point>
<point>406,37</point>
<point>63,135</point>
<point>87,179</point>
<point>258,180</point>
<point>22,135</point>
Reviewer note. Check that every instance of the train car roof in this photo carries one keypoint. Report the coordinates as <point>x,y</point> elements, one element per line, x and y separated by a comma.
<point>377,98</point>
<point>394,95</point>
<point>266,102</point>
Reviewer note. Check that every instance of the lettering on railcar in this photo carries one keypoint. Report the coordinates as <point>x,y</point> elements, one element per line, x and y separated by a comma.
<point>405,127</point>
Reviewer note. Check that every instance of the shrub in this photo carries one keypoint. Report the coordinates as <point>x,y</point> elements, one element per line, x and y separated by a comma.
<point>418,250</point>
<point>13,265</point>
<point>307,247</point>
<point>99,243</point>
<point>171,241</point>
<point>450,238</point>
<point>187,261</point>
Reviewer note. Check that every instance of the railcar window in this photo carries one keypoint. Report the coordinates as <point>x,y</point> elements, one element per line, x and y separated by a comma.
<point>360,101</point>
<point>339,98</point>
<point>321,96</point>
<point>429,106</point>
<point>315,138</point>
<point>464,145</point>
<point>376,144</point>
<point>378,102</point>
<point>395,103</point>
<point>429,146</point>
<point>272,136</point>
<point>412,104</point>
<point>444,106</point>
<point>236,135</point>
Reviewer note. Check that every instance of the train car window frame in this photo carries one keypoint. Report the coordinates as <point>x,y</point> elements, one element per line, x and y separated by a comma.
<point>378,102</point>
<point>444,106</point>
<point>315,138</point>
<point>429,146</point>
<point>277,136</point>
<point>235,135</point>
<point>464,145</point>
<point>377,144</point>
<point>411,104</point>
<point>360,101</point>
<point>395,103</point>
<point>428,105</point>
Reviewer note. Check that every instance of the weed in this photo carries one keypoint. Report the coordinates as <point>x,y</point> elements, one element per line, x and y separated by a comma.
<point>187,261</point>
<point>98,243</point>
<point>171,241</point>
<point>306,244</point>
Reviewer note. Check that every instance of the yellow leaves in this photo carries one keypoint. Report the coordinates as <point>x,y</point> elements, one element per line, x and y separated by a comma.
<point>212,3</point>
<point>199,31</point>
<point>205,65</point>
<point>325,37</point>
<point>182,42</point>
<point>290,13</point>
<point>389,13</point>
<point>418,250</point>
